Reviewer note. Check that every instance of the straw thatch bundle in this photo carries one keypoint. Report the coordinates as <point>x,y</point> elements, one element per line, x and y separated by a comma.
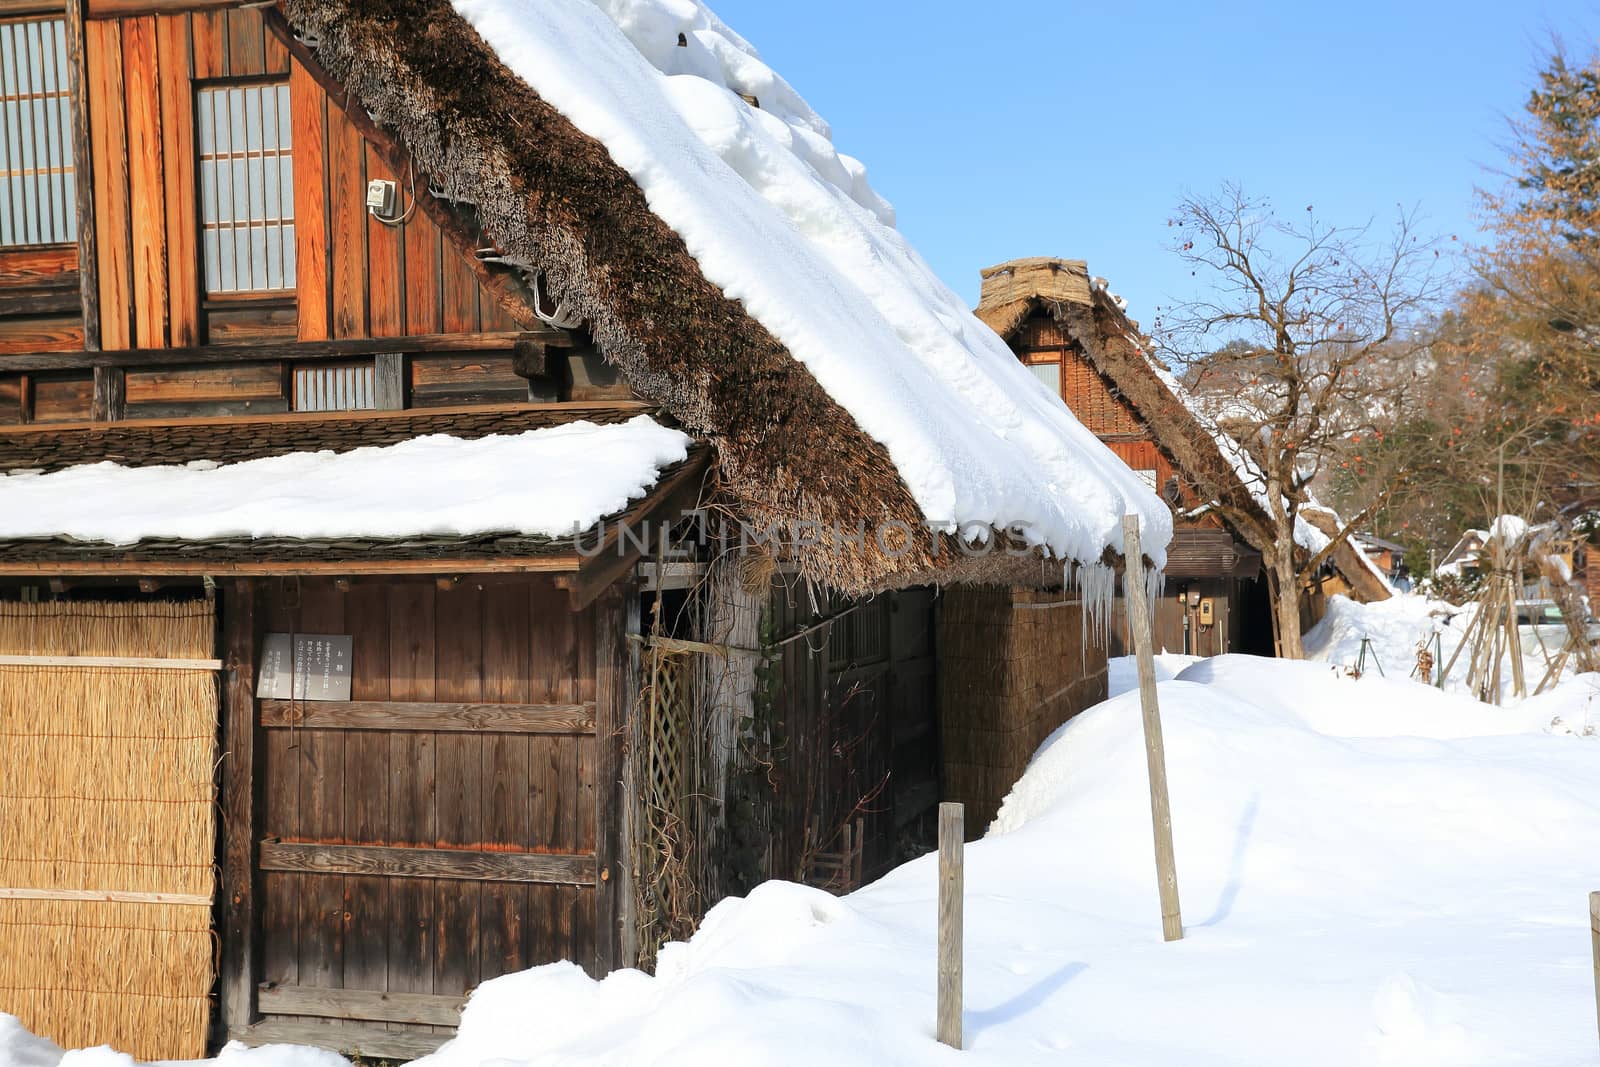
<point>107,787</point>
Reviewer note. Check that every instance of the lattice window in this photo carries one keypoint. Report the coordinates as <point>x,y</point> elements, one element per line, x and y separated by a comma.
<point>246,188</point>
<point>334,387</point>
<point>38,193</point>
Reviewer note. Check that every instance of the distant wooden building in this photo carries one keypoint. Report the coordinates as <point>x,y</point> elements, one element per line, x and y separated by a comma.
<point>254,240</point>
<point>1073,333</point>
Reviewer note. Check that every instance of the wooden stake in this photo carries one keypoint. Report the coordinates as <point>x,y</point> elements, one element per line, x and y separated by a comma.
<point>1594,943</point>
<point>952,826</point>
<point>1155,751</point>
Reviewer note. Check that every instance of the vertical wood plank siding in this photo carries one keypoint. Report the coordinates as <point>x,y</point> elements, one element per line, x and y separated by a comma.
<point>146,188</point>
<point>108,142</point>
<point>177,149</point>
<point>353,277</point>
<point>494,642</point>
<point>309,108</point>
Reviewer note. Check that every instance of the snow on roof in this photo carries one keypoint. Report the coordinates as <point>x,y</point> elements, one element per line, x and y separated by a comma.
<point>550,482</point>
<point>782,222</point>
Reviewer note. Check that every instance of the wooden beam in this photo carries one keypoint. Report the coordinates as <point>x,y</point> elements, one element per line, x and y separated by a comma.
<point>503,283</point>
<point>403,862</point>
<point>83,174</point>
<point>130,662</point>
<point>577,409</point>
<point>617,557</point>
<point>364,1042</point>
<point>99,9</point>
<point>110,394</point>
<point>242,616</point>
<point>107,896</point>
<point>616,615</point>
<point>430,717</point>
<point>422,1008</point>
<point>260,351</point>
<point>86,568</point>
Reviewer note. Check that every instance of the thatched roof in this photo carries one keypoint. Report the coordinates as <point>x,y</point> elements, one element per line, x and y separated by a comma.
<point>1093,317</point>
<point>553,200</point>
<point>1011,291</point>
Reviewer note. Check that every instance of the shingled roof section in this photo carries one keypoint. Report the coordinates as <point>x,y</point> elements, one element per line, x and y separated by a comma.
<point>151,443</point>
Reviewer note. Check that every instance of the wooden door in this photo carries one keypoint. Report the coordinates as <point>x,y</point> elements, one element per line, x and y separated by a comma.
<point>439,829</point>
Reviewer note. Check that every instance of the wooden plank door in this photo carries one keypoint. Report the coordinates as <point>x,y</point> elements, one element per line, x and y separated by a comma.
<point>438,829</point>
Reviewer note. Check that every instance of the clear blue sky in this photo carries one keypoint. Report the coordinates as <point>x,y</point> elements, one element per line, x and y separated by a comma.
<point>1052,127</point>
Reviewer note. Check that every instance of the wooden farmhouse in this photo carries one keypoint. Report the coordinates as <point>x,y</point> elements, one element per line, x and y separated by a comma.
<point>423,555</point>
<point>1073,333</point>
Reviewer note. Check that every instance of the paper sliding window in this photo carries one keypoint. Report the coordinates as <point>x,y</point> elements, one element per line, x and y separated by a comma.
<point>246,188</point>
<point>38,194</point>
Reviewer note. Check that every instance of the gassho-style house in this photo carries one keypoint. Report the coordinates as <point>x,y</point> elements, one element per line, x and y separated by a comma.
<point>324,326</point>
<point>1073,332</point>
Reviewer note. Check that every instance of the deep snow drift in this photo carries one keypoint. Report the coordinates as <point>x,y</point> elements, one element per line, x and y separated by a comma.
<point>1372,872</point>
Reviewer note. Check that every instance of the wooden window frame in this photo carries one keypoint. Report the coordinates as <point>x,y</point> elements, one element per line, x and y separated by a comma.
<point>67,170</point>
<point>285,296</point>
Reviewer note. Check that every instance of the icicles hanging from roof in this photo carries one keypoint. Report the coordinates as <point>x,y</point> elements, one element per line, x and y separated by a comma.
<point>1096,585</point>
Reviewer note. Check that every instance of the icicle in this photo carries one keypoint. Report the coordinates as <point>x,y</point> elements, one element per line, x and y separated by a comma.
<point>1096,586</point>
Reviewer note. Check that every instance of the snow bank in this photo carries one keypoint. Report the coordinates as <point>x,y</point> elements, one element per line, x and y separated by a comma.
<point>786,225</point>
<point>549,482</point>
<point>1122,672</point>
<point>1371,873</point>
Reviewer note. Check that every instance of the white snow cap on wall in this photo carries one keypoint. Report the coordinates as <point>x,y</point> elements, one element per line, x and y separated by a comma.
<point>788,226</point>
<point>550,482</point>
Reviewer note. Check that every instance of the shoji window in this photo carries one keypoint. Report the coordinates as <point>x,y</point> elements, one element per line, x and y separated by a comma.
<point>38,196</point>
<point>246,188</point>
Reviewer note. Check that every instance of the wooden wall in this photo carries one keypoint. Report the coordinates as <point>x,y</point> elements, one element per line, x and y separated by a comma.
<point>486,796</point>
<point>359,277</point>
<point>140,95</point>
<point>856,703</point>
<point>39,303</point>
<point>356,277</point>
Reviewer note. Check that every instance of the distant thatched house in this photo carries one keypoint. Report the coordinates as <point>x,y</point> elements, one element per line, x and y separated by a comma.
<point>573,537</point>
<point>1075,336</point>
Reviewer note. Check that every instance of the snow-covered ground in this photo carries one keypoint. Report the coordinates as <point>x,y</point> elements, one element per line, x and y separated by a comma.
<point>1372,872</point>
<point>1395,628</point>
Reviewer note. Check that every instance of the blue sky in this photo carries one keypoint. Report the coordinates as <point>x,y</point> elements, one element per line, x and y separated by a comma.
<point>1052,127</point>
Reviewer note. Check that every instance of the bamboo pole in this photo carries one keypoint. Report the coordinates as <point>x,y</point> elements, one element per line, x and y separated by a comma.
<point>952,826</point>
<point>1155,752</point>
<point>1514,640</point>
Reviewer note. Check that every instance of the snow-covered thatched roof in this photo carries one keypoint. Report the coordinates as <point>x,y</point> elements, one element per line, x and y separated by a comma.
<point>676,195</point>
<point>1096,320</point>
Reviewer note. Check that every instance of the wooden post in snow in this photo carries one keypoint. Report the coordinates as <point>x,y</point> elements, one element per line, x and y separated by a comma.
<point>1594,941</point>
<point>952,826</point>
<point>1155,752</point>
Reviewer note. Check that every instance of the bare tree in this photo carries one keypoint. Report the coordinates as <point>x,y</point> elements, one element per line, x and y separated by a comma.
<point>1310,334</point>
